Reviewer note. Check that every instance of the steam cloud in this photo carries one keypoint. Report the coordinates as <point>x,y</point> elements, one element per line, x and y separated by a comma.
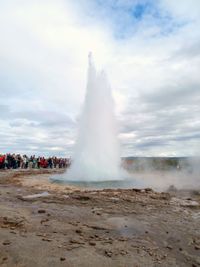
<point>97,155</point>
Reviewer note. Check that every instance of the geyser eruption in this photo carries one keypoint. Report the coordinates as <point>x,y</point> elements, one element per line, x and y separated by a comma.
<point>97,155</point>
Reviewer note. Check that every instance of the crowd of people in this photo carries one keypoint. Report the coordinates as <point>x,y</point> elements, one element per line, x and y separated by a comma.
<point>17,161</point>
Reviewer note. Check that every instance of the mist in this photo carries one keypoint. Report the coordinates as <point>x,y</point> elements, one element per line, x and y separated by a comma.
<point>162,173</point>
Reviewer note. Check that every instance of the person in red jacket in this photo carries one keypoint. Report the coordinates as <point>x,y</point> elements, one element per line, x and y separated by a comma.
<point>2,161</point>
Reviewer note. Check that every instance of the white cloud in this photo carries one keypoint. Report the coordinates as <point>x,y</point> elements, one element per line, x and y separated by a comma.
<point>152,62</point>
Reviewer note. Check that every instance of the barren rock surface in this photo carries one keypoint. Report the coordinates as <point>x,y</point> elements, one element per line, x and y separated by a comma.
<point>43,224</point>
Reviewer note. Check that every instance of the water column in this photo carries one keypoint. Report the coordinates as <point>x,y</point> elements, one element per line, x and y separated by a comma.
<point>97,155</point>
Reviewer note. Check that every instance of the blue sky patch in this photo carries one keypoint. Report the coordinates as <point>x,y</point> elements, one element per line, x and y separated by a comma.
<point>139,10</point>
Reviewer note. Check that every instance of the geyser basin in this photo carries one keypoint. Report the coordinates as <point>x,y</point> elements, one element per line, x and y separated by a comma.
<point>109,184</point>
<point>97,155</point>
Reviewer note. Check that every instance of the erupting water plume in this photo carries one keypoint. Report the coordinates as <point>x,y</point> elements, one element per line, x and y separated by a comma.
<point>97,155</point>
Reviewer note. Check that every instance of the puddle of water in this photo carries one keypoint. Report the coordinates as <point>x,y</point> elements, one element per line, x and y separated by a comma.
<point>126,226</point>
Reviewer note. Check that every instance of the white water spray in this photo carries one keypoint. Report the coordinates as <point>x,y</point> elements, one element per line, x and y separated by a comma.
<point>97,155</point>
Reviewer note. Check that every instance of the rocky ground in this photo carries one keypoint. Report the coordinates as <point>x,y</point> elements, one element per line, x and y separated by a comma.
<point>43,224</point>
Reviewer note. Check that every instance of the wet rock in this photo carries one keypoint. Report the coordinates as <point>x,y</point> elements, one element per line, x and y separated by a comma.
<point>169,247</point>
<point>196,241</point>
<point>47,239</point>
<point>6,243</point>
<point>82,197</point>
<point>123,239</point>
<point>13,232</point>
<point>79,231</point>
<point>92,243</point>
<point>44,220</point>
<point>73,246</point>
<point>161,196</point>
<point>151,253</point>
<point>75,223</point>
<point>40,234</point>
<point>108,253</point>
<point>4,226</point>
<point>165,196</point>
<point>123,252</point>
<point>107,241</point>
<point>76,241</point>
<point>41,211</point>
<point>97,227</point>
<point>148,190</point>
<point>137,190</point>
<point>96,209</point>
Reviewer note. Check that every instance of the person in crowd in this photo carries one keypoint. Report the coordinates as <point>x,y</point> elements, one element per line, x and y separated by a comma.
<point>16,161</point>
<point>2,161</point>
<point>50,162</point>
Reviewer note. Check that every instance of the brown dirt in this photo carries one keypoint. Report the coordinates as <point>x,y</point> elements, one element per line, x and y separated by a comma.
<point>74,227</point>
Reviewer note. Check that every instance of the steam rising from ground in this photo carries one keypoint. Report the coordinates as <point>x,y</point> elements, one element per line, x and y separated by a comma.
<point>97,155</point>
<point>182,173</point>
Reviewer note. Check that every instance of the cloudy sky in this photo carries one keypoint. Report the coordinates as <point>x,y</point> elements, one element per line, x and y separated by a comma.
<point>150,50</point>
